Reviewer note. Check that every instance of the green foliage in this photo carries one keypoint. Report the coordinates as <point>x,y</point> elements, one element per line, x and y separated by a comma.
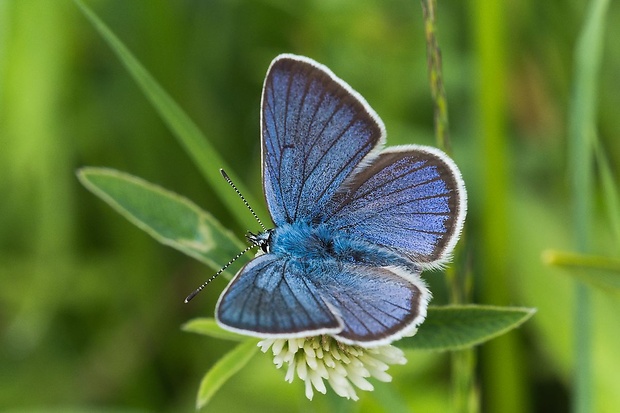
<point>610,191</point>
<point>225,367</point>
<point>208,327</point>
<point>167,217</point>
<point>197,146</point>
<point>581,124</point>
<point>447,328</point>
<point>459,327</point>
<point>600,272</point>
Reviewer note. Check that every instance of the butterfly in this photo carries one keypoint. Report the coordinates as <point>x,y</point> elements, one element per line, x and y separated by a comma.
<point>355,224</point>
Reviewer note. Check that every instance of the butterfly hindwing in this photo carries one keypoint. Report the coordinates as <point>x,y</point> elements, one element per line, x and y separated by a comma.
<point>315,131</point>
<point>410,199</point>
<point>376,304</point>
<point>272,296</point>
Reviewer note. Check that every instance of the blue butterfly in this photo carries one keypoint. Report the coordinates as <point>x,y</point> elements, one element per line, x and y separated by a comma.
<point>355,224</point>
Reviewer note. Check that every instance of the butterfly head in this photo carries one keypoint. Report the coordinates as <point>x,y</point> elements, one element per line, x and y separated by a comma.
<point>261,240</point>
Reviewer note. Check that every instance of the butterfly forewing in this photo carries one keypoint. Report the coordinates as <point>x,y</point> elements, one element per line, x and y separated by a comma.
<point>315,131</point>
<point>410,199</point>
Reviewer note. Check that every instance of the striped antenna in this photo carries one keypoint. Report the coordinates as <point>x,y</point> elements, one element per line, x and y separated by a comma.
<point>214,276</point>
<point>255,242</point>
<point>230,182</point>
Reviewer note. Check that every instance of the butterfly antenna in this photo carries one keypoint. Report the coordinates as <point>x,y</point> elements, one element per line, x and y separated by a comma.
<point>254,242</point>
<point>214,276</point>
<point>230,182</point>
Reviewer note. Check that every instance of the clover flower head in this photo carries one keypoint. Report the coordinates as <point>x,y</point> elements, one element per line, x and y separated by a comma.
<point>343,366</point>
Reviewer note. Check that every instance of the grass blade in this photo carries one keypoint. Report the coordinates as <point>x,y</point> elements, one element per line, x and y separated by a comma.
<point>196,145</point>
<point>582,121</point>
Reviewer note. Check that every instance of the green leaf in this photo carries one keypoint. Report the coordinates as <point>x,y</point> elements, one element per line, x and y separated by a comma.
<point>224,369</point>
<point>457,327</point>
<point>166,216</point>
<point>196,145</point>
<point>599,272</point>
<point>209,327</point>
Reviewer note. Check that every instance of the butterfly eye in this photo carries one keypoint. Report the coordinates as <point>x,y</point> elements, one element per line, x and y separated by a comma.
<point>266,243</point>
<point>265,247</point>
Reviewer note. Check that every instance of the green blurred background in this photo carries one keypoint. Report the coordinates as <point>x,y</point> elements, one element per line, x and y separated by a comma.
<point>90,306</point>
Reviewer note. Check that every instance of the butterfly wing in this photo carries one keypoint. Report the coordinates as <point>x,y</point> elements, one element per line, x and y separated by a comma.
<point>410,199</point>
<point>358,304</point>
<point>271,297</point>
<point>315,130</point>
<point>377,305</point>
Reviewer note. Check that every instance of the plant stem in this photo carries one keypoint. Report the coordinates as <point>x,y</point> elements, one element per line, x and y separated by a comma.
<point>465,398</point>
<point>582,114</point>
<point>435,77</point>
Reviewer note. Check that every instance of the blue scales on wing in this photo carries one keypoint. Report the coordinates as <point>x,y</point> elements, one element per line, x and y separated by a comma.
<point>408,200</point>
<point>271,295</point>
<point>315,131</point>
<point>375,303</point>
<point>288,297</point>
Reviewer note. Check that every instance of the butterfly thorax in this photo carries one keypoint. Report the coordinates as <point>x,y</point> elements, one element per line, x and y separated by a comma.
<point>307,242</point>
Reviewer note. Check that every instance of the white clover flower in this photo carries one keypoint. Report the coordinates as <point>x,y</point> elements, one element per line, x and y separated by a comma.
<point>344,366</point>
